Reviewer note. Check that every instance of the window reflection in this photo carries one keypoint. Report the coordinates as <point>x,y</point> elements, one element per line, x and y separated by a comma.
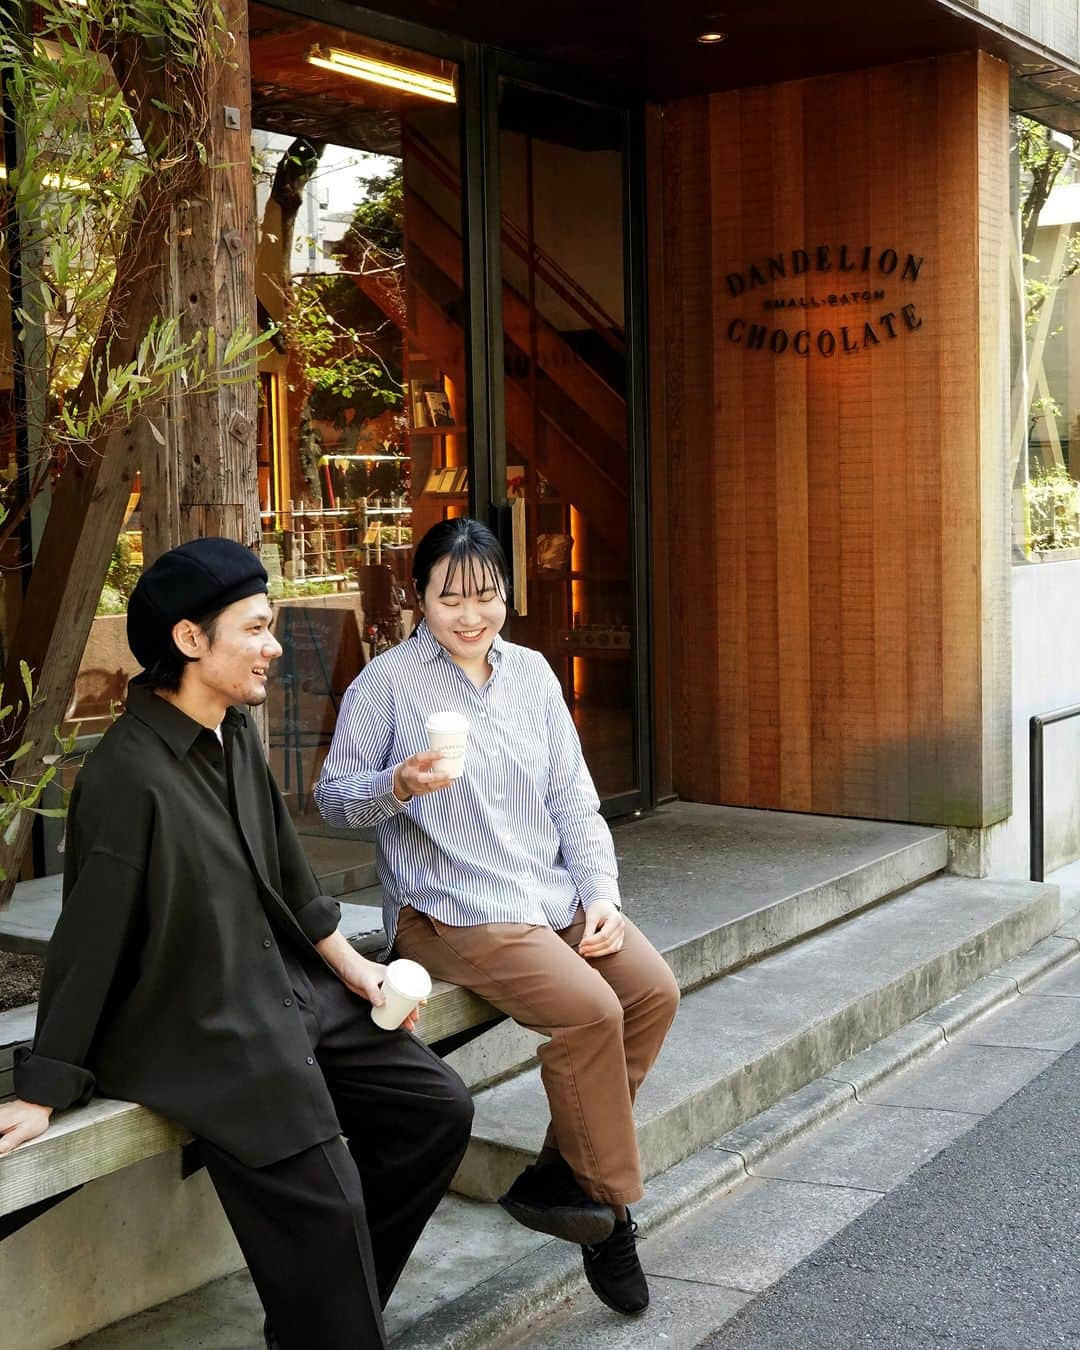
<point>363,425</point>
<point>1046,344</point>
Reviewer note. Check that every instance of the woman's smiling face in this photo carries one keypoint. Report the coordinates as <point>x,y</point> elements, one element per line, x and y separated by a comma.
<point>465,607</point>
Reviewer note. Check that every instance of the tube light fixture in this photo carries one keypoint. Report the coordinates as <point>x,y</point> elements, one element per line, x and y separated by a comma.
<point>359,67</point>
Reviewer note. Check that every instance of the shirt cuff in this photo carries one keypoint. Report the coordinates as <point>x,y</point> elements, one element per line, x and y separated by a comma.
<point>385,797</point>
<point>50,1082</point>
<point>319,917</point>
<point>591,889</point>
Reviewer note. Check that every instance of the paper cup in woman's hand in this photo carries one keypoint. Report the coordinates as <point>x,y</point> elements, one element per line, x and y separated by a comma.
<point>447,732</point>
<point>403,986</point>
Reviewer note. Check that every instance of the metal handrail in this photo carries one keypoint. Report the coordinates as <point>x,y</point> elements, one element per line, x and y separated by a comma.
<point>1037,786</point>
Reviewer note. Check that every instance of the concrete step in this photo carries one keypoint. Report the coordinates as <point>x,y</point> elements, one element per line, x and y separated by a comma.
<point>478,1281</point>
<point>753,1036</point>
<point>715,887</point>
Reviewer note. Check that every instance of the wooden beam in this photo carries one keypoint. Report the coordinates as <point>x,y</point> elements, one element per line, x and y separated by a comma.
<point>204,479</point>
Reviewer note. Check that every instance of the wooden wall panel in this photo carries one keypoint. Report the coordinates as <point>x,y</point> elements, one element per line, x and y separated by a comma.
<point>839,620</point>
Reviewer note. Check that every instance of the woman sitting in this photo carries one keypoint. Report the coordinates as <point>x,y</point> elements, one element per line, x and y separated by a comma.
<point>504,880</point>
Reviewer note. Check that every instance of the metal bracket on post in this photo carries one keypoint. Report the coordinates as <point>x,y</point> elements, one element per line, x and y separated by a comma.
<point>239,425</point>
<point>1037,785</point>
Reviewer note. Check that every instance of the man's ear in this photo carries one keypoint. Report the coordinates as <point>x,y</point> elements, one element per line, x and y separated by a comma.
<point>188,637</point>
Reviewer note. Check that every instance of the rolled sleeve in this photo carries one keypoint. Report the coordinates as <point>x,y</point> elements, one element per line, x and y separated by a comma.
<point>50,1082</point>
<point>95,931</point>
<point>319,917</point>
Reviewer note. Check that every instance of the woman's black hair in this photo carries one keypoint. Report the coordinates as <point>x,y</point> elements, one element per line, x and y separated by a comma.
<point>468,545</point>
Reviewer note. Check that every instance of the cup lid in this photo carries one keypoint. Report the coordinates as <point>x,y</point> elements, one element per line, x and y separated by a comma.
<point>408,978</point>
<point>447,721</point>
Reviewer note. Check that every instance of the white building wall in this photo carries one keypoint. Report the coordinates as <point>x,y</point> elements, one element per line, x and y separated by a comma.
<point>1046,675</point>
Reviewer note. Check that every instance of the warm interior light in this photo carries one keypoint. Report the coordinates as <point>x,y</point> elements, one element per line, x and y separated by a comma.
<point>708,38</point>
<point>67,182</point>
<point>382,72</point>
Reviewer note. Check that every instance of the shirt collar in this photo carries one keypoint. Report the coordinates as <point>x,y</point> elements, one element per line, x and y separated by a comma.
<point>176,728</point>
<point>431,648</point>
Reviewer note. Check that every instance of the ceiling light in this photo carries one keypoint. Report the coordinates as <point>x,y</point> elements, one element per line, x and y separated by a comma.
<point>390,76</point>
<point>707,39</point>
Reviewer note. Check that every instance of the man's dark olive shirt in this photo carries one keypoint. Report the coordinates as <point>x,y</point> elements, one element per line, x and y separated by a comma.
<point>165,981</point>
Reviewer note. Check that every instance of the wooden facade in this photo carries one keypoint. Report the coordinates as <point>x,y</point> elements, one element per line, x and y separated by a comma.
<point>837,495</point>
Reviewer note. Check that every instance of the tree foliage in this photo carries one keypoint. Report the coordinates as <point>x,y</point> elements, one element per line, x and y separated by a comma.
<point>108,104</point>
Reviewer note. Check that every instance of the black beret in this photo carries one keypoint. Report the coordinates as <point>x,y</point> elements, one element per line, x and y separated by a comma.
<point>189,582</point>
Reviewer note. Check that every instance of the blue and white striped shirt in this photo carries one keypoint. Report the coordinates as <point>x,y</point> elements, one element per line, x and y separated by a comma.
<point>518,838</point>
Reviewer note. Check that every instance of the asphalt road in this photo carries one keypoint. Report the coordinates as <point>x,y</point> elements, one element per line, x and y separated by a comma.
<point>978,1250</point>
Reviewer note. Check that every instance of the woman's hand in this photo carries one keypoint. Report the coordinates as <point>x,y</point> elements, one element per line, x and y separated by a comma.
<point>416,775</point>
<point>605,929</point>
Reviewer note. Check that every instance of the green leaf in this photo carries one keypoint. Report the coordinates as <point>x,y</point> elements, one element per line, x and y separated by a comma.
<point>27,679</point>
<point>22,752</point>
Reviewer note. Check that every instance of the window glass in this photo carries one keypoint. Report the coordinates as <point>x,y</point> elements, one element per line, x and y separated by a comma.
<point>1045,428</point>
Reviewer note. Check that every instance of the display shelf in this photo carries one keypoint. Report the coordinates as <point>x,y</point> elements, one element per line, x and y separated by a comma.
<point>429,432</point>
<point>572,574</point>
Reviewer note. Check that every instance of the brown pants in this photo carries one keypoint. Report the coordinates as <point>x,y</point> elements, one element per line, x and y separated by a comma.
<point>606,1019</point>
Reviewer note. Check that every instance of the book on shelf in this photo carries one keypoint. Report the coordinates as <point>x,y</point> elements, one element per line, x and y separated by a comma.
<point>454,478</point>
<point>437,405</point>
<point>416,400</point>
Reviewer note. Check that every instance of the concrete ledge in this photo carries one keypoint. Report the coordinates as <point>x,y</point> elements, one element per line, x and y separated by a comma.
<point>104,1136</point>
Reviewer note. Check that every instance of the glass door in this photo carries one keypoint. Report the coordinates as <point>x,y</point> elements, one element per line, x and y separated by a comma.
<point>569,456</point>
<point>364,425</point>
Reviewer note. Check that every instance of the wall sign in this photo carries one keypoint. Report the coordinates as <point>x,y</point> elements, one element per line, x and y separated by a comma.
<point>861,305</point>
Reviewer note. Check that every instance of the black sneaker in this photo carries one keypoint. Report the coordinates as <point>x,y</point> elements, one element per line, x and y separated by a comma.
<point>547,1199</point>
<point>614,1271</point>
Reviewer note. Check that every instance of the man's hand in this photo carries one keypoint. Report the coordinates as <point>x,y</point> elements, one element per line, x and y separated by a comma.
<point>358,974</point>
<point>20,1122</point>
<point>416,775</point>
<point>605,928</point>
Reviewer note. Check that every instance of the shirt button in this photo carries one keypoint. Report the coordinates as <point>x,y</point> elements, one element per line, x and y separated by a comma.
<point>287,1002</point>
<point>267,942</point>
<point>310,1060</point>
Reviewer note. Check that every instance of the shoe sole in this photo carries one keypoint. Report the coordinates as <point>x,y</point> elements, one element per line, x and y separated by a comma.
<point>626,1312</point>
<point>573,1225</point>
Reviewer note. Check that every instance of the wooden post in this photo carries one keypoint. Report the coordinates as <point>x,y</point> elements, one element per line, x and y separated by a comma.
<point>204,479</point>
<point>210,484</point>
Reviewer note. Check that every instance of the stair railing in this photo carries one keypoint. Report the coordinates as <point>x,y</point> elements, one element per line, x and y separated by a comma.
<point>552,273</point>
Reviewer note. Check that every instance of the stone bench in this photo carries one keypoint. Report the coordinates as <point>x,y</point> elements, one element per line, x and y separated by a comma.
<point>105,1135</point>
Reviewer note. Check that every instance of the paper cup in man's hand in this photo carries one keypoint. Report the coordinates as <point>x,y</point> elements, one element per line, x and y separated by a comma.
<point>404,985</point>
<point>447,732</point>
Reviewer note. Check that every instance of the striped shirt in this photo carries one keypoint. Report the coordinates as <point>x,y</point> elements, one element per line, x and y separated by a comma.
<point>518,838</point>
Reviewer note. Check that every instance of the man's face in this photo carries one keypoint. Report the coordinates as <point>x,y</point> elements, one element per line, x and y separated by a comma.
<point>235,666</point>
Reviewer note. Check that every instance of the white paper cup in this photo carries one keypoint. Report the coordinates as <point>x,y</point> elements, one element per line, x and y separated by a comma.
<point>448,733</point>
<point>405,984</point>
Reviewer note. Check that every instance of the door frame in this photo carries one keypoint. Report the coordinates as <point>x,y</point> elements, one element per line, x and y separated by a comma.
<point>482,66</point>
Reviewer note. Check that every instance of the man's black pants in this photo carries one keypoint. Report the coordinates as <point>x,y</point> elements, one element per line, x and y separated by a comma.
<point>327,1232</point>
